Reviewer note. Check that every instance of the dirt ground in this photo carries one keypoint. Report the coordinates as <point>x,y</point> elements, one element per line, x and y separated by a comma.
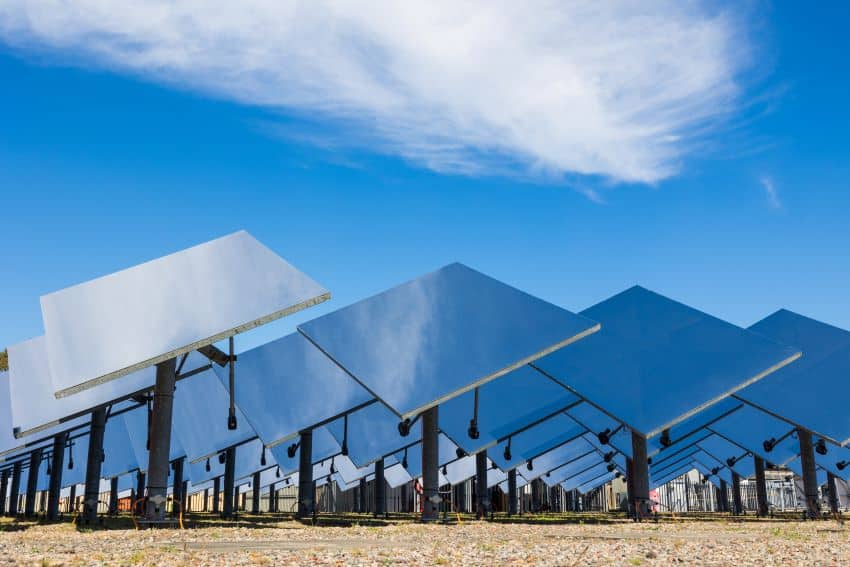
<point>285,542</point>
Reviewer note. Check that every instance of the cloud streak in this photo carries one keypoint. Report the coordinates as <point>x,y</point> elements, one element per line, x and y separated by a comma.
<point>621,90</point>
<point>770,192</point>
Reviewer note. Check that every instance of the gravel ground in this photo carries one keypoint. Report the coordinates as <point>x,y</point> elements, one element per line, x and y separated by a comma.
<point>471,543</point>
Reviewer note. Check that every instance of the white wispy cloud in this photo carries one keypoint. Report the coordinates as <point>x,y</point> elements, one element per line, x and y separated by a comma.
<point>622,90</point>
<point>770,192</point>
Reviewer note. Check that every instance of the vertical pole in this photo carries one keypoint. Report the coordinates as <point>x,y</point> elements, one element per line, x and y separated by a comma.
<point>761,486</point>
<point>724,496</point>
<point>640,475</point>
<point>4,488</point>
<point>255,494</point>
<point>430,464</point>
<point>380,489</point>
<point>305,475</point>
<point>177,487</point>
<point>482,501</point>
<point>72,499</point>
<point>113,495</point>
<point>216,494</point>
<point>833,492</point>
<point>738,508</point>
<point>32,483</point>
<point>55,487</point>
<point>94,462</point>
<point>140,490</point>
<point>15,489</point>
<point>160,439</point>
<point>512,492</point>
<point>810,482</point>
<point>362,496</point>
<point>184,492</point>
<point>630,489</point>
<point>229,483</point>
<point>272,497</point>
<point>205,507</point>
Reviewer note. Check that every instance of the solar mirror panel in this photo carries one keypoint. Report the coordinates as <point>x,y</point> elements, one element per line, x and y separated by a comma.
<point>34,408</point>
<point>421,343</point>
<point>288,385</point>
<point>557,458</point>
<point>505,406</point>
<point>694,424</point>
<point>396,476</point>
<point>114,325</point>
<point>119,456</point>
<point>535,441</point>
<point>574,466</point>
<point>324,446</point>
<point>825,368</point>
<point>585,476</point>
<point>200,417</point>
<point>750,428</point>
<point>687,359</point>
<point>372,433</point>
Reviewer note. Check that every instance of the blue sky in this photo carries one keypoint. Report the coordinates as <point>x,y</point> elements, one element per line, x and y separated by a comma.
<point>110,156</point>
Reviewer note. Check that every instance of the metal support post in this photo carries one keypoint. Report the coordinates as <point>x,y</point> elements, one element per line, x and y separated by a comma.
<point>255,493</point>
<point>216,494</point>
<point>640,476</point>
<point>430,465</point>
<point>306,504</point>
<point>512,508</point>
<point>832,486</point>
<point>380,489</point>
<point>94,461</point>
<point>15,489</point>
<point>177,487</point>
<point>738,507</point>
<point>810,479</point>
<point>4,488</point>
<point>482,505</point>
<point>160,440</point>
<point>32,482</point>
<point>57,463</point>
<point>761,487</point>
<point>229,483</point>
<point>113,495</point>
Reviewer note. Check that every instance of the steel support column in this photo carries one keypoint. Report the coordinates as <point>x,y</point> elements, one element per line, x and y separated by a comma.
<point>430,464</point>
<point>177,487</point>
<point>140,492</point>
<point>229,483</point>
<point>512,496</point>
<point>272,497</point>
<point>216,494</point>
<point>57,463</point>
<point>724,496</point>
<point>630,490</point>
<point>160,440</point>
<point>640,476</point>
<point>4,488</point>
<point>94,462</point>
<point>363,505</point>
<point>255,493</point>
<point>306,505</point>
<point>761,486</point>
<point>832,486</point>
<point>738,507</point>
<point>482,504</point>
<point>72,499</point>
<point>810,479</point>
<point>32,482</point>
<point>15,489</point>
<point>380,489</point>
<point>113,495</point>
